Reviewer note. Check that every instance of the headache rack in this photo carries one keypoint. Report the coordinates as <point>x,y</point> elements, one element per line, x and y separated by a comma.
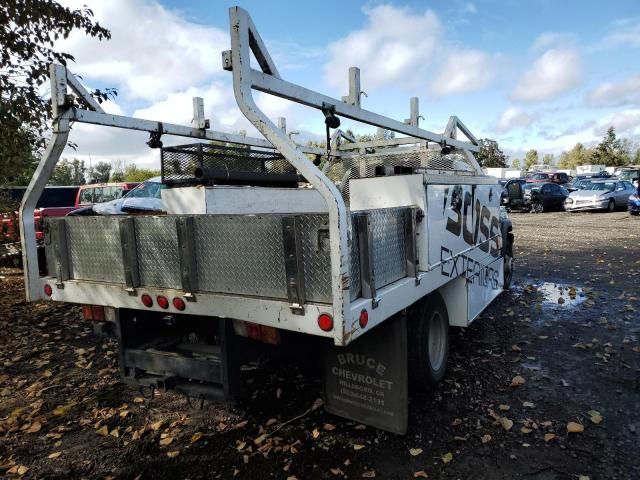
<point>227,164</point>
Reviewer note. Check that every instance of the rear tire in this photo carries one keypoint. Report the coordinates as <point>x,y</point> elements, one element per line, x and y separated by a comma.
<point>508,262</point>
<point>611,207</point>
<point>428,342</point>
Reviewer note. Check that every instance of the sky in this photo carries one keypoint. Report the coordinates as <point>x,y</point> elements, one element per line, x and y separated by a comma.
<point>540,74</point>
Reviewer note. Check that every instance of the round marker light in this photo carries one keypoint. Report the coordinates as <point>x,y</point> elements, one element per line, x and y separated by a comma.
<point>364,318</point>
<point>147,301</point>
<point>179,304</point>
<point>48,291</point>
<point>325,322</point>
<point>162,302</point>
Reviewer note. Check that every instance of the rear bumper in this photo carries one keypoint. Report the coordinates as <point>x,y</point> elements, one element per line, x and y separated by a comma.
<point>596,205</point>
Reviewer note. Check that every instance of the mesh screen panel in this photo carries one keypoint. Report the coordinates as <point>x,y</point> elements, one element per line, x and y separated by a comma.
<point>232,161</point>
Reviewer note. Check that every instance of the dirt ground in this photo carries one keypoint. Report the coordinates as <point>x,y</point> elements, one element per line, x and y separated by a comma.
<point>569,329</point>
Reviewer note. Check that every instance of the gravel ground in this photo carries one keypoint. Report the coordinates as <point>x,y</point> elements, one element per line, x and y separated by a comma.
<point>545,385</point>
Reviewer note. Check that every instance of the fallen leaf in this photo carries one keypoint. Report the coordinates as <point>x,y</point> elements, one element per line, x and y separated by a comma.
<point>124,413</point>
<point>115,432</point>
<point>61,410</point>
<point>447,457</point>
<point>525,430</point>
<point>517,381</point>
<point>271,421</point>
<point>22,469</point>
<point>196,436</point>
<point>369,474</point>
<point>328,427</point>
<point>241,424</point>
<point>103,431</point>
<point>358,446</point>
<point>166,441</point>
<point>506,423</point>
<point>584,477</point>
<point>420,474</point>
<point>573,427</point>
<point>315,433</point>
<point>156,426</point>
<point>336,471</point>
<point>504,408</point>
<point>486,438</point>
<point>278,393</point>
<point>138,399</point>
<point>528,405</point>
<point>456,422</point>
<point>260,438</point>
<point>34,428</point>
<point>516,348</point>
<point>415,451</point>
<point>173,453</point>
<point>317,404</point>
<point>549,436</point>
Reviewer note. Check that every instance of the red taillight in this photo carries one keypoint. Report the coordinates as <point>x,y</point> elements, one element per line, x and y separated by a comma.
<point>48,291</point>
<point>162,302</point>
<point>147,301</point>
<point>325,322</point>
<point>364,318</point>
<point>179,304</point>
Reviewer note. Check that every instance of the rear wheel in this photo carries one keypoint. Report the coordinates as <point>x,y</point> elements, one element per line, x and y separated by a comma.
<point>611,207</point>
<point>428,342</point>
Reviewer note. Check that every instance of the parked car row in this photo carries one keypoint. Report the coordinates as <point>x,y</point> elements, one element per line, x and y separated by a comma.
<point>587,194</point>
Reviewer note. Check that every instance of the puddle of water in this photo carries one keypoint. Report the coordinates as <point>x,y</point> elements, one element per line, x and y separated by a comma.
<point>559,295</point>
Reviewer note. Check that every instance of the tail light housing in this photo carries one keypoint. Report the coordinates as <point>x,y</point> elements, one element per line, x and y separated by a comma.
<point>178,304</point>
<point>364,318</point>
<point>48,291</point>
<point>146,299</point>
<point>162,302</point>
<point>325,322</point>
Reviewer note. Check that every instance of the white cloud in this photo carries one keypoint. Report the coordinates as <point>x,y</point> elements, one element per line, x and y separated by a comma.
<point>470,8</point>
<point>627,121</point>
<point>513,118</point>
<point>625,31</point>
<point>152,50</point>
<point>464,71</point>
<point>394,44</point>
<point>550,39</point>
<point>614,94</point>
<point>400,47</point>
<point>555,72</point>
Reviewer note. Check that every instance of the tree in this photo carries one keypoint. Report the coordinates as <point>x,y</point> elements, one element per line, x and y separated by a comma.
<point>100,173</point>
<point>69,173</point>
<point>515,163</point>
<point>28,32</point>
<point>531,159</point>
<point>490,155</point>
<point>611,151</point>
<point>578,155</point>
<point>548,159</point>
<point>134,174</point>
<point>117,173</point>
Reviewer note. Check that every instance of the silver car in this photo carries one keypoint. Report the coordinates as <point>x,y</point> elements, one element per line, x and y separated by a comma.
<point>600,195</point>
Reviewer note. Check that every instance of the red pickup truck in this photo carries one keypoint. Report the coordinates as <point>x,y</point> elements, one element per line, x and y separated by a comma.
<point>57,202</point>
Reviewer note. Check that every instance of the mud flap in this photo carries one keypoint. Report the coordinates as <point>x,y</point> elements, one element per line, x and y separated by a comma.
<point>367,381</point>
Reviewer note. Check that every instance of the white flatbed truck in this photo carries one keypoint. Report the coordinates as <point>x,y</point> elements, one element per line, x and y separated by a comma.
<point>379,253</point>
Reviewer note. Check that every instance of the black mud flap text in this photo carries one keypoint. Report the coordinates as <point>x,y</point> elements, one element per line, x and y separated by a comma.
<point>367,381</point>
